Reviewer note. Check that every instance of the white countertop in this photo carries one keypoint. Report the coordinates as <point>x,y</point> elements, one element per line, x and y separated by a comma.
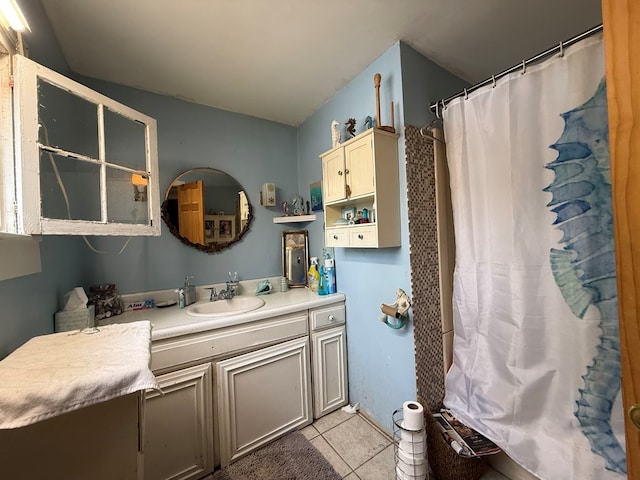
<point>173,321</point>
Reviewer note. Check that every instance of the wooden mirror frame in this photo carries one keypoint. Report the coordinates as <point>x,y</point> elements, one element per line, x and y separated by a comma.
<point>210,247</point>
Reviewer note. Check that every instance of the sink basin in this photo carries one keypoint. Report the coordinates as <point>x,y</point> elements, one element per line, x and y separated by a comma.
<point>221,308</point>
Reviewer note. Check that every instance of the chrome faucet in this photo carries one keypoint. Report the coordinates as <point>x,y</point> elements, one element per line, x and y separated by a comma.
<point>213,295</point>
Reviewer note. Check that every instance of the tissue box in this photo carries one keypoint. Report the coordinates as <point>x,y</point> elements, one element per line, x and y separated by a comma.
<point>66,320</point>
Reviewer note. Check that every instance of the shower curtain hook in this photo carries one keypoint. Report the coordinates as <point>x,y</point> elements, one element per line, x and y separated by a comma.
<point>444,105</point>
<point>437,109</point>
<point>561,49</point>
<point>466,94</point>
<point>493,81</point>
<point>524,67</point>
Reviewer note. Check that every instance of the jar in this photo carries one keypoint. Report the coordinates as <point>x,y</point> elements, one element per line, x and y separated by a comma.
<point>106,300</point>
<point>284,284</point>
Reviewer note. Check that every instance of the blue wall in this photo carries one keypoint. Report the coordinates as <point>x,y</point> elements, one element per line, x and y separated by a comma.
<point>381,360</point>
<point>254,151</point>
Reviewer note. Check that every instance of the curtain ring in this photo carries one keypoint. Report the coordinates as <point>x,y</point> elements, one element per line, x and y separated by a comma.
<point>561,49</point>
<point>493,81</point>
<point>524,67</point>
<point>444,105</point>
<point>466,94</point>
<point>437,109</point>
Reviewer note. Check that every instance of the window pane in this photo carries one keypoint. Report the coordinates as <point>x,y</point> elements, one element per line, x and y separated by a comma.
<point>124,141</point>
<point>79,180</point>
<point>126,202</point>
<point>66,121</point>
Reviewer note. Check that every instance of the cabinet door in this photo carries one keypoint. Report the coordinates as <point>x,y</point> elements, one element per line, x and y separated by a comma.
<point>262,395</point>
<point>179,425</point>
<point>359,167</point>
<point>98,442</point>
<point>333,177</point>
<point>329,371</point>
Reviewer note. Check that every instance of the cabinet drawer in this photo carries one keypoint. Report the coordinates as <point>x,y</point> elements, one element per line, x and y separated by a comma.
<point>337,237</point>
<point>327,317</point>
<point>363,237</point>
<point>224,341</point>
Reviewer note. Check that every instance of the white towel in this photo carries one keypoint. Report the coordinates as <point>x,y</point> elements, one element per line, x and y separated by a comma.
<point>54,374</point>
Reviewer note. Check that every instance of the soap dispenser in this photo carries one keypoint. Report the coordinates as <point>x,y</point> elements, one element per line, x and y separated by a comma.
<point>189,292</point>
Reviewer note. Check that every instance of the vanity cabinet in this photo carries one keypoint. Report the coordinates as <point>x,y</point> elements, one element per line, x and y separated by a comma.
<point>262,395</point>
<point>329,359</point>
<point>179,425</point>
<point>227,391</point>
<point>357,176</point>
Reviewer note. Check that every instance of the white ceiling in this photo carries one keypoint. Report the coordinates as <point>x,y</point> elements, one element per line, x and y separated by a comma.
<point>282,59</point>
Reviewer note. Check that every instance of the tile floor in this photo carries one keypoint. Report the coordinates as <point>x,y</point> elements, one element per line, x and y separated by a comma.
<point>357,449</point>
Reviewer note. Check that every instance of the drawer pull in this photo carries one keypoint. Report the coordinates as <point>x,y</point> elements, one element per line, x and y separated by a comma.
<point>360,236</point>
<point>340,172</point>
<point>346,170</point>
<point>332,318</point>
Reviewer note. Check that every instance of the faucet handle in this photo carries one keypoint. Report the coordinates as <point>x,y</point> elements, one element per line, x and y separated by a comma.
<point>213,294</point>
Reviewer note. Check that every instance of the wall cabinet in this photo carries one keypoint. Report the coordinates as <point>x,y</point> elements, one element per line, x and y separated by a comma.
<point>262,395</point>
<point>360,179</point>
<point>74,162</point>
<point>179,425</point>
<point>329,359</point>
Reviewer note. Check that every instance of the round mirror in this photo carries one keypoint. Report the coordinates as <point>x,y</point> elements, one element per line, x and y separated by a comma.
<point>207,209</point>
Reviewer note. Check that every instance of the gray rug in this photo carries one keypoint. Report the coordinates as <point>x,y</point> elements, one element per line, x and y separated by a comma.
<point>292,457</point>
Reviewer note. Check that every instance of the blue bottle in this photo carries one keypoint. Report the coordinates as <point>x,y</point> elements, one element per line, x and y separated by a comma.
<point>322,286</point>
<point>330,272</point>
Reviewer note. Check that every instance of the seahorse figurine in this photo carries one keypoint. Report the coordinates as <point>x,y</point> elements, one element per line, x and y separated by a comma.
<point>585,269</point>
<point>335,134</point>
<point>351,127</point>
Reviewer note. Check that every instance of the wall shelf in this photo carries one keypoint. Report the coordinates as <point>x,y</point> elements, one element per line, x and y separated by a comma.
<point>295,219</point>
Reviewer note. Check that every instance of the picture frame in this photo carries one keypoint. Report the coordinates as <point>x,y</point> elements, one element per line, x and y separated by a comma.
<point>315,195</point>
<point>349,213</point>
<point>219,228</point>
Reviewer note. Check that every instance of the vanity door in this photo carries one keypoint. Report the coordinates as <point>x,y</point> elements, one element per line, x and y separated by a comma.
<point>262,395</point>
<point>179,425</point>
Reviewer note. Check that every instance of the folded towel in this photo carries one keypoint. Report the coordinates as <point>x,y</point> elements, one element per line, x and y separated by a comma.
<point>54,374</point>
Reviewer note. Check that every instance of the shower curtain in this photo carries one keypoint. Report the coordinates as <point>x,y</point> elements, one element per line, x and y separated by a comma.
<point>536,363</point>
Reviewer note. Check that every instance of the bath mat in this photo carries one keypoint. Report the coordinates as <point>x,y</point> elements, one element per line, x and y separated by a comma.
<point>292,457</point>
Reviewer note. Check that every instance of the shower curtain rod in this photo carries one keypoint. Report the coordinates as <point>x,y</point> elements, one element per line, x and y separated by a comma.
<point>438,106</point>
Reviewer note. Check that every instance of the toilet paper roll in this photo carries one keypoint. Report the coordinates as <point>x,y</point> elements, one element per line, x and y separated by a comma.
<point>417,447</point>
<point>413,416</point>
<point>411,458</point>
<point>411,437</point>
<point>411,472</point>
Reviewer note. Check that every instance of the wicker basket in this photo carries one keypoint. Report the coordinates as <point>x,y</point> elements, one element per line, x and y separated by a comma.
<point>445,463</point>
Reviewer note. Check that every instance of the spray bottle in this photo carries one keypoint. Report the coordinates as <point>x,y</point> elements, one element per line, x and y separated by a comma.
<point>313,276</point>
<point>322,284</point>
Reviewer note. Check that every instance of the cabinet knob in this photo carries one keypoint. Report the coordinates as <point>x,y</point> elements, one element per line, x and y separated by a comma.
<point>340,172</point>
<point>346,170</point>
<point>332,318</point>
<point>634,415</point>
<point>360,236</point>
<point>335,237</point>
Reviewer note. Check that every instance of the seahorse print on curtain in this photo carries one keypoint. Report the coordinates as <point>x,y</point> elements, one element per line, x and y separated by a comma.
<point>584,269</point>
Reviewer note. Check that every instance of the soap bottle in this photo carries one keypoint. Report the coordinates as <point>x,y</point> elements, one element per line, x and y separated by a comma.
<point>330,273</point>
<point>313,276</point>
<point>322,284</point>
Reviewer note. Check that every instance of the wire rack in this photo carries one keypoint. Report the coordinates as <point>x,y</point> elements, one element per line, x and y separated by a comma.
<point>410,451</point>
